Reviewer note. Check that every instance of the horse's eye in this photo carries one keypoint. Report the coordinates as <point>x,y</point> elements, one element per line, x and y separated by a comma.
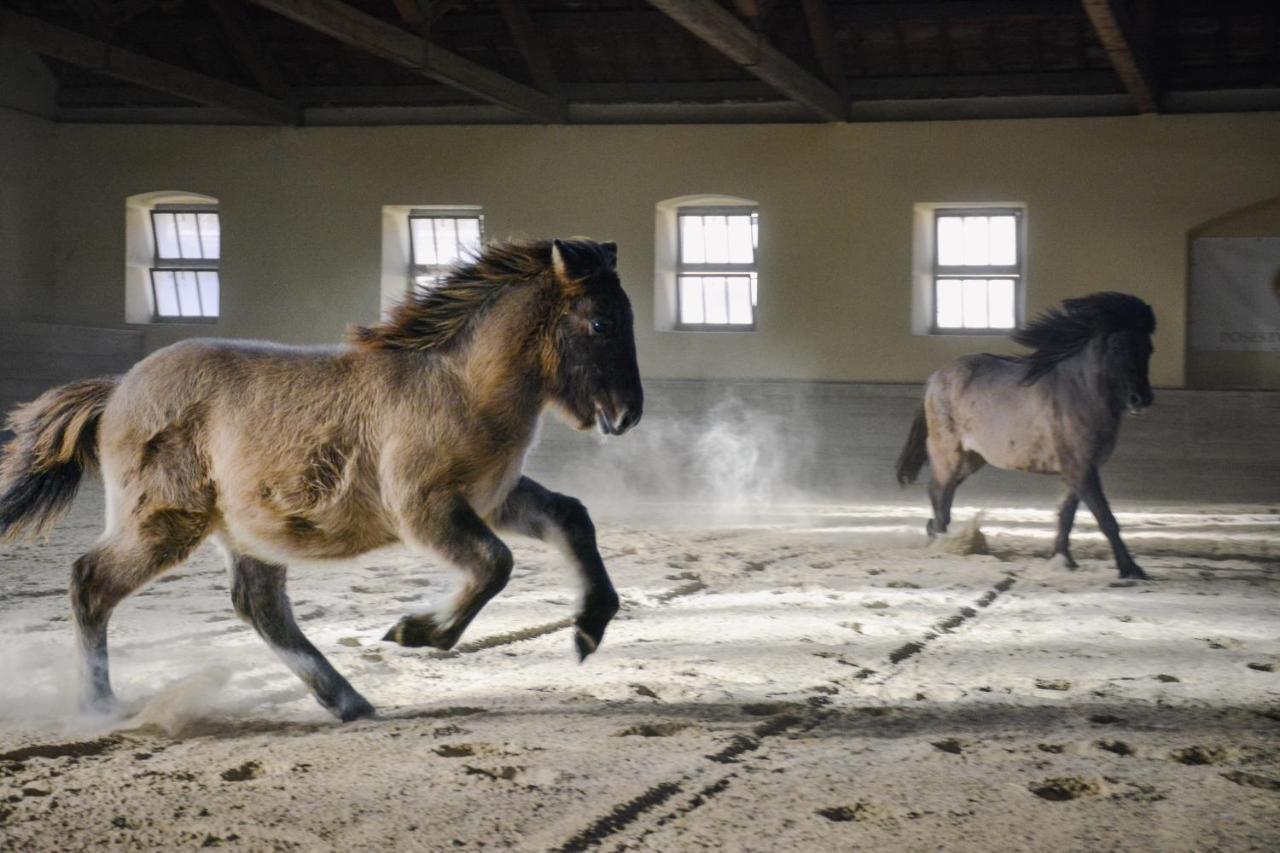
<point>600,326</point>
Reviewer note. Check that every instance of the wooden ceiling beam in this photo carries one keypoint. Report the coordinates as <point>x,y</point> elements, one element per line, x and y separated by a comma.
<point>1120,40</point>
<point>720,29</point>
<point>375,36</point>
<point>101,58</point>
<point>818,19</point>
<point>244,41</point>
<point>530,44</point>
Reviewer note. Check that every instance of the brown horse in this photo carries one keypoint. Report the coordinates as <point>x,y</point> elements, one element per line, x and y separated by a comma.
<point>414,432</point>
<point>1056,410</point>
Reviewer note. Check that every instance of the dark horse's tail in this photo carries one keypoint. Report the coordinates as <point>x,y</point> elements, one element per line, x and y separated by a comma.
<point>55,441</point>
<point>914,453</point>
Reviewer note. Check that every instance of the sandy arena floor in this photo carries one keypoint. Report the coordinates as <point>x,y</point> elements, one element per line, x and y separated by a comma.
<point>812,680</point>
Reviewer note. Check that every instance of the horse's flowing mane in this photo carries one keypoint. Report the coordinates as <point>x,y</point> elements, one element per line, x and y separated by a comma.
<point>436,318</point>
<point>1058,334</point>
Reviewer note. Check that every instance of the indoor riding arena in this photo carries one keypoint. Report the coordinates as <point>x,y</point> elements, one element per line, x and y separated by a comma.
<point>645,425</point>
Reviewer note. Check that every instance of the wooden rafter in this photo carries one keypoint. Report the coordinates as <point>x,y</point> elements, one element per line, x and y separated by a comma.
<point>719,28</point>
<point>818,18</point>
<point>388,41</point>
<point>1131,64</point>
<point>244,40</point>
<point>99,57</point>
<point>530,44</point>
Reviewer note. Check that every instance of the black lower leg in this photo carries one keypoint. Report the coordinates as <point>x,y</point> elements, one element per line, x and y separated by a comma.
<point>1066,519</point>
<point>536,511</point>
<point>1097,502</point>
<point>258,592</point>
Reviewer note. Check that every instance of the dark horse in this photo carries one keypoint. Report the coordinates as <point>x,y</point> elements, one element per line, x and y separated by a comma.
<point>1056,410</point>
<point>414,432</point>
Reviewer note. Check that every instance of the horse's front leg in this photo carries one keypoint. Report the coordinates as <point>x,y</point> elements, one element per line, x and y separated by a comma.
<point>447,525</point>
<point>563,521</point>
<point>1066,518</point>
<point>1091,491</point>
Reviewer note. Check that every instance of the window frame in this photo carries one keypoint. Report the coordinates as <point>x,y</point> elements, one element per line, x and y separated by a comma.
<point>436,270</point>
<point>181,265</point>
<point>1018,275</point>
<point>725,269</point>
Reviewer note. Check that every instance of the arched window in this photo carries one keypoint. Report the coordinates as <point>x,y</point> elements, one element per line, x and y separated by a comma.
<point>173,256</point>
<point>707,263</point>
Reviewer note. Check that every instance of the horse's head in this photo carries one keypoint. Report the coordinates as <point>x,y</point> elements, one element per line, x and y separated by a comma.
<point>595,378</point>
<point>1128,360</point>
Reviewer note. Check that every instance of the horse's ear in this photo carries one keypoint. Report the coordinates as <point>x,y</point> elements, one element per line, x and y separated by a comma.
<point>611,252</point>
<point>560,252</point>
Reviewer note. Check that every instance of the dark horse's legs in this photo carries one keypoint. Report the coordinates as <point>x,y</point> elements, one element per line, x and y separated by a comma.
<point>538,512</point>
<point>1091,490</point>
<point>947,477</point>
<point>258,593</point>
<point>1066,518</point>
<point>448,524</point>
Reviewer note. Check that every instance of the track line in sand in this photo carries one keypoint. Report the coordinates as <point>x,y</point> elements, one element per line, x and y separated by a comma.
<point>628,813</point>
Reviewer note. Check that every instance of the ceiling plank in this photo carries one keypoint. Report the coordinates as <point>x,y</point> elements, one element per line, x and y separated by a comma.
<point>818,18</point>
<point>388,41</point>
<point>244,40</point>
<point>1131,64</point>
<point>99,57</point>
<point>720,29</point>
<point>530,44</point>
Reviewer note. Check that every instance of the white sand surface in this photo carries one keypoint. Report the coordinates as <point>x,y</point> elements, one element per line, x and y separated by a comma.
<point>810,678</point>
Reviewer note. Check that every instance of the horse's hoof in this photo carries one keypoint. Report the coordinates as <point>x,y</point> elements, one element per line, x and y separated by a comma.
<point>102,705</point>
<point>584,642</point>
<point>1135,573</point>
<point>928,528</point>
<point>355,707</point>
<point>417,631</point>
<point>1063,561</point>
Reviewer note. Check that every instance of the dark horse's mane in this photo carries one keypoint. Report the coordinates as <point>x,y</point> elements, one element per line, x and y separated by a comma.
<point>1058,334</point>
<point>437,318</point>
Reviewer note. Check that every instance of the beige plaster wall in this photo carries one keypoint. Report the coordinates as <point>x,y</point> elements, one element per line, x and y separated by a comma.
<point>1237,369</point>
<point>26,169</point>
<point>1110,203</point>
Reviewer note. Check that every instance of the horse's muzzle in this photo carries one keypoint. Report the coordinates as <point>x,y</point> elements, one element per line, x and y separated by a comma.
<point>1138,403</point>
<point>616,420</point>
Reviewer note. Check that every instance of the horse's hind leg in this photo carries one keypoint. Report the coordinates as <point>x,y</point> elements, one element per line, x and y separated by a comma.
<point>563,521</point>
<point>117,566</point>
<point>1066,518</point>
<point>447,524</point>
<point>947,477</point>
<point>258,593</point>
<point>1091,491</point>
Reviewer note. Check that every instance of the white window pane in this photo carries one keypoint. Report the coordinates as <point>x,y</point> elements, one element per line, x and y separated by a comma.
<point>691,299</point>
<point>208,281</point>
<point>188,235</point>
<point>950,303</point>
<point>976,246</point>
<point>753,290</point>
<point>741,250</point>
<point>188,294</point>
<point>755,231</point>
<point>469,236</point>
<point>716,299</point>
<point>166,236</point>
<point>166,294</point>
<point>740,300</point>
<point>1004,241</point>
<point>422,233</point>
<point>975,303</point>
<point>950,241</point>
<point>210,235</point>
<point>693,248</point>
<point>447,240</point>
<point>1000,303</point>
<point>716,233</point>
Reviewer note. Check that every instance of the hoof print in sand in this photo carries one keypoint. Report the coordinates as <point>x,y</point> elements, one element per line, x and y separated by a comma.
<point>1199,755</point>
<point>950,745</point>
<point>1262,667</point>
<point>1253,780</point>
<point>1118,747</point>
<point>858,812</point>
<point>653,730</point>
<point>1053,684</point>
<point>1066,788</point>
<point>243,773</point>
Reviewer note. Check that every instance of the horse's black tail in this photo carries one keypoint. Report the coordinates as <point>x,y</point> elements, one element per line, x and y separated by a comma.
<point>55,441</point>
<point>915,452</point>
